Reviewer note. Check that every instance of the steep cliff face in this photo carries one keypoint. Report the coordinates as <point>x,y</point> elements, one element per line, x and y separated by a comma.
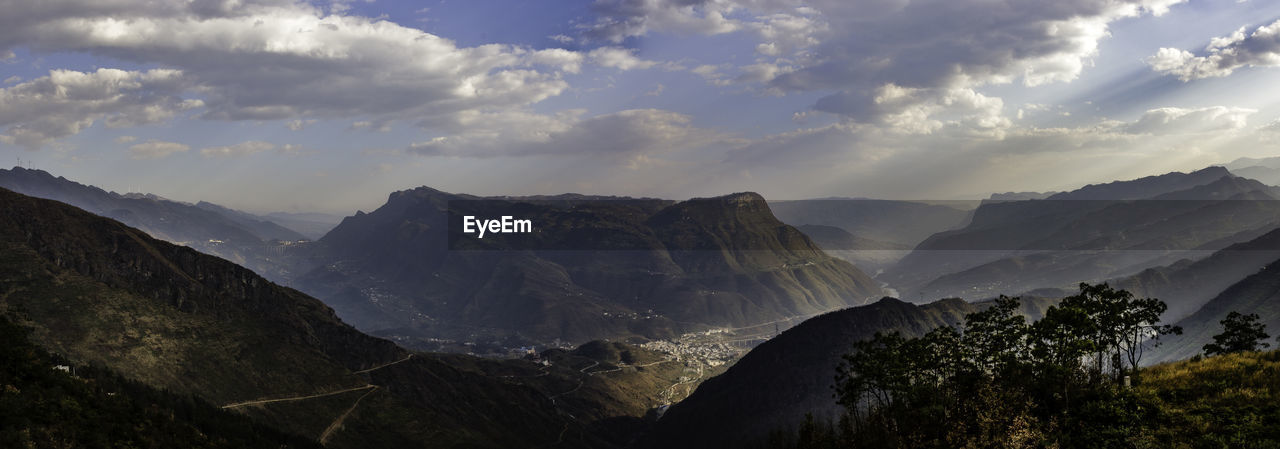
<point>595,268</point>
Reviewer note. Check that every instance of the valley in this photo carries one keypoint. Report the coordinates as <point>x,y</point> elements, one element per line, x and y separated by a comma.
<point>639,224</point>
<point>629,323</point>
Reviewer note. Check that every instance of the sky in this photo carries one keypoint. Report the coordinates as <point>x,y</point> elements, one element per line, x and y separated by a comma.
<point>328,106</point>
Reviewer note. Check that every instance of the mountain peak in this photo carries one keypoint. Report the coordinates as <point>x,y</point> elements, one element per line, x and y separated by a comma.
<point>1224,188</point>
<point>1145,187</point>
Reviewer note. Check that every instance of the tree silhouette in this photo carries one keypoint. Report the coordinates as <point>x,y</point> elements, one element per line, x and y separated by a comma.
<point>1240,333</point>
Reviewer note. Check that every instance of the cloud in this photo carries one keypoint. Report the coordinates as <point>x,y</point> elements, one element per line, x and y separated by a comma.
<point>66,101</point>
<point>873,160</point>
<point>156,149</point>
<point>624,133</point>
<point>237,150</point>
<point>1223,55</point>
<point>618,58</point>
<point>1273,127</point>
<point>281,60</point>
<point>1186,121</point>
<point>125,139</point>
<point>564,60</point>
<point>861,47</point>
<point>299,125</point>
<point>381,126</point>
<point>621,19</point>
<point>921,110</point>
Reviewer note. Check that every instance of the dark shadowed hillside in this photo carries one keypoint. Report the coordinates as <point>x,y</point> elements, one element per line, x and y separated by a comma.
<point>242,238</point>
<point>101,293</point>
<point>778,382</point>
<point>48,403</point>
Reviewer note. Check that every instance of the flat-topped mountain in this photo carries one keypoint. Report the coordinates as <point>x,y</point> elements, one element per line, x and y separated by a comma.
<point>594,268</point>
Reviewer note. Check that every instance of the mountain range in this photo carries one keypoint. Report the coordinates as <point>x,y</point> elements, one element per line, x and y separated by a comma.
<point>114,294</point>
<point>1094,233</point>
<point>240,237</point>
<point>97,292</point>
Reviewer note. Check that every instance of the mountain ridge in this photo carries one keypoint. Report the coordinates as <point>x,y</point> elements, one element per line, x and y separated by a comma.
<point>630,267</point>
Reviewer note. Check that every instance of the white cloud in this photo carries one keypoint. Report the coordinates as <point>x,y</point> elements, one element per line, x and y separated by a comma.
<point>156,149</point>
<point>1186,121</point>
<point>561,59</point>
<point>237,150</point>
<point>878,161</point>
<point>624,133</point>
<point>125,139</point>
<point>267,60</point>
<point>945,47</point>
<point>915,110</point>
<point>66,101</point>
<point>621,19</point>
<point>1223,56</point>
<point>618,58</point>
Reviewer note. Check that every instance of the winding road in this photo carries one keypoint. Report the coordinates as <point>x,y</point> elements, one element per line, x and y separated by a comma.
<point>298,398</point>
<point>337,423</point>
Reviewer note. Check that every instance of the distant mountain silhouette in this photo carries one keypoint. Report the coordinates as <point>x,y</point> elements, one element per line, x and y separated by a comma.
<point>237,236</point>
<point>898,223</point>
<point>1258,293</point>
<point>1268,175</point>
<point>1142,188</point>
<point>1019,196</point>
<point>1187,285</point>
<point>313,225</point>
<point>835,238</point>
<point>1084,236</point>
